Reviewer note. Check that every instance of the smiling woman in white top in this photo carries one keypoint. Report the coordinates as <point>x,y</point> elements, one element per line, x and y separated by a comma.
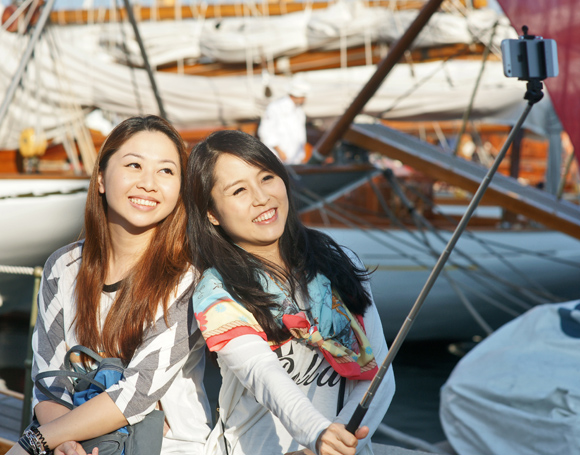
<point>288,312</point>
<point>125,291</point>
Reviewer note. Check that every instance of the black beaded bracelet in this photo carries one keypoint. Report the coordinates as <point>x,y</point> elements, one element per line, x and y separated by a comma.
<point>44,446</point>
<point>44,449</point>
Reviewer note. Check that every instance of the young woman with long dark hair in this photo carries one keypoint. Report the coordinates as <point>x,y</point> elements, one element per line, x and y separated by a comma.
<point>124,291</point>
<point>288,312</point>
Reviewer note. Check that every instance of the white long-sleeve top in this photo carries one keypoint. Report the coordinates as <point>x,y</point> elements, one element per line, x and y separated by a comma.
<point>167,367</point>
<point>275,402</point>
<point>283,125</point>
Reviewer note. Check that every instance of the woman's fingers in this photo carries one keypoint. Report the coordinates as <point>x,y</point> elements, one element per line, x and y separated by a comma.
<point>362,432</point>
<point>71,448</point>
<point>336,440</point>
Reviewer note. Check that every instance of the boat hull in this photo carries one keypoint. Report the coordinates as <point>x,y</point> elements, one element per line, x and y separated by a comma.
<point>37,216</point>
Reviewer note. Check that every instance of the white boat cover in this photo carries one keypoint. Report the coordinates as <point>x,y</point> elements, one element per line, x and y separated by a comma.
<point>518,391</point>
<point>253,37</point>
<point>62,81</point>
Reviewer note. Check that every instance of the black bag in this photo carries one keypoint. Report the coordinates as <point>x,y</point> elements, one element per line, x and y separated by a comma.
<point>143,438</point>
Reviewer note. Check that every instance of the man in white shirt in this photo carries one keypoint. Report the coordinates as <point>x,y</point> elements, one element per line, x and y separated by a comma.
<point>283,125</point>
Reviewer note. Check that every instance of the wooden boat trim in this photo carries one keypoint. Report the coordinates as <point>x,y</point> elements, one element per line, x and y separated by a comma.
<point>12,393</point>
<point>304,169</point>
<point>5,445</point>
<point>276,8</point>
<point>21,176</point>
<point>314,60</point>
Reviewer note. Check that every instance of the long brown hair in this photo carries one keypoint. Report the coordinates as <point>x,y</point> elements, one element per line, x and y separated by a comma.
<point>153,278</point>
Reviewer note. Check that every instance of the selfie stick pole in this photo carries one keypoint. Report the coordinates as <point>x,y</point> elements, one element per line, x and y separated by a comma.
<point>533,95</point>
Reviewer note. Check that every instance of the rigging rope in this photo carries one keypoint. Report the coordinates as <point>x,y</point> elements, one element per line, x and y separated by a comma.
<point>75,126</point>
<point>467,111</point>
<point>419,83</point>
<point>310,196</point>
<point>48,193</point>
<point>131,68</point>
<point>425,241</point>
<point>421,221</point>
<point>468,305</point>
<point>16,270</point>
<point>533,285</point>
<point>15,15</point>
<point>401,253</point>
<point>490,242</point>
<point>465,270</point>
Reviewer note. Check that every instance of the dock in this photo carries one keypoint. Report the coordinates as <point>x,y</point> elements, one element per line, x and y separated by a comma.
<point>10,417</point>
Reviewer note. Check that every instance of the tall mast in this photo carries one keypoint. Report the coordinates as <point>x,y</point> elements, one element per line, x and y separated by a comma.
<point>131,16</point>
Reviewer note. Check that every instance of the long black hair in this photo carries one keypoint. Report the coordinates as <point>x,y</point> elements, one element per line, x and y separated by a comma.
<point>306,252</point>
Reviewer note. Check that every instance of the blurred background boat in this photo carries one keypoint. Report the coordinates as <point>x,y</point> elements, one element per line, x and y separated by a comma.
<point>217,66</point>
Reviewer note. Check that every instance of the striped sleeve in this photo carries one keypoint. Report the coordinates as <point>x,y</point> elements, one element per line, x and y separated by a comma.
<point>159,358</point>
<point>48,340</point>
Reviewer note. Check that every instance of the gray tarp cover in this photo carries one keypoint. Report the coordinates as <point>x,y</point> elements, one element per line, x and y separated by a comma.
<point>518,392</point>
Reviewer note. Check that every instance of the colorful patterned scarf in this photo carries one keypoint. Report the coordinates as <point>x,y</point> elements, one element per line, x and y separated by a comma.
<point>327,325</point>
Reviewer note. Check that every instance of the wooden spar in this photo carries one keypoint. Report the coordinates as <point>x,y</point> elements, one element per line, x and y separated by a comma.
<point>316,59</point>
<point>333,134</point>
<point>531,202</point>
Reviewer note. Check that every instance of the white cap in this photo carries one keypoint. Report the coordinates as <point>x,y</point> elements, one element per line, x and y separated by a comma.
<point>298,88</point>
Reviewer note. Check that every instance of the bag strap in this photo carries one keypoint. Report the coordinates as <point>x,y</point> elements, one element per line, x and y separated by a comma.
<point>70,371</point>
<point>62,373</point>
<point>79,349</point>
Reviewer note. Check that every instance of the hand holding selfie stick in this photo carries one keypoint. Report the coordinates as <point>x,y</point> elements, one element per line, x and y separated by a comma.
<point>533,95</point>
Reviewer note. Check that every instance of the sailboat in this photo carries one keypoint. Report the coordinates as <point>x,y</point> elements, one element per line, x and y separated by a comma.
<point>216,66</point>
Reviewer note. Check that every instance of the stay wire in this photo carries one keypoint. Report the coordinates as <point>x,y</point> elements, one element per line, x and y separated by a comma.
<point>467,271</point>
<point>421,82</point>
<point>129,62</point>
<point>420,220</point>
<point>487,243</point>
<point>334,212</point>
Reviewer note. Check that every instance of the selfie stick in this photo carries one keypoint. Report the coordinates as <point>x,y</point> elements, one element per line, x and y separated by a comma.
<point>533,95</point>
